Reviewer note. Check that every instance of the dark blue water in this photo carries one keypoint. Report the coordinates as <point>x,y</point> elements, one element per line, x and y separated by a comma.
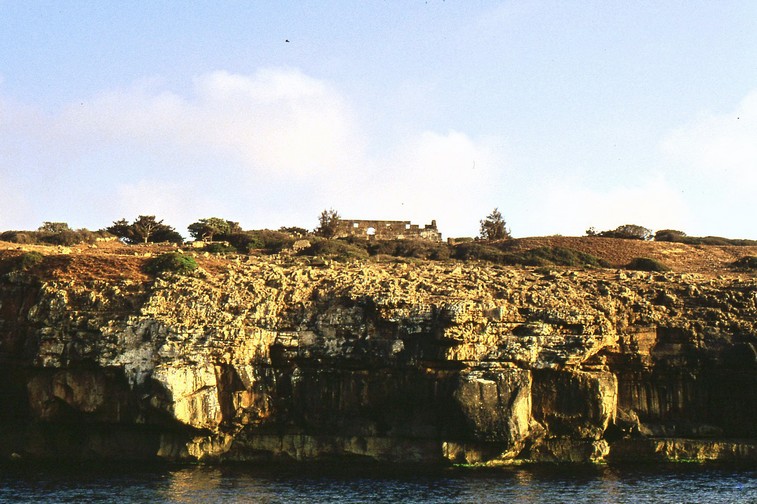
<point>127,484</point>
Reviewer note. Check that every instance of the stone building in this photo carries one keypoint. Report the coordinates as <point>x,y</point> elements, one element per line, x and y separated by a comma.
<point>387,230</point>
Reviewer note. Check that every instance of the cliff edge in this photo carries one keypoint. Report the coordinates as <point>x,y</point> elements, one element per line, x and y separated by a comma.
<point>282,357</point>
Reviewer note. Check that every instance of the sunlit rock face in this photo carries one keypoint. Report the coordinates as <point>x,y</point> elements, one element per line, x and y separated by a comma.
<point>275,359</point>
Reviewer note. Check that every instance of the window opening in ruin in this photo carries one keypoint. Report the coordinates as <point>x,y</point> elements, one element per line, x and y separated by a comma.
<point>355,224</point>
<point>407,226</point>
<point>371,231</point>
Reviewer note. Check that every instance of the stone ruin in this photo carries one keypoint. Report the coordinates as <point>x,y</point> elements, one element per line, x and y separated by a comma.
<point>387,230</point>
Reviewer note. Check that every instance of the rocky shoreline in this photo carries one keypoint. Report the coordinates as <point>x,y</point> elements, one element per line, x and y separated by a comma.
<point>278,358</point>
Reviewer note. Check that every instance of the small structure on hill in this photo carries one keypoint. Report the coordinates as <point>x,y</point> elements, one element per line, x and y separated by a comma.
<point>387,230</point>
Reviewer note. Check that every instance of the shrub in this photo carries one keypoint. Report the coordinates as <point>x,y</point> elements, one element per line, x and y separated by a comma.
<point>244,241</point>
<point>294,231</point>
<point>66,238</point>
<point>336,249</point>
<point>29,260</point>
<point>263,239</point>
<point>220,248</point>
<point>477,250</point>
<point>627,231</point>
<point>669,235</point>
<point>172,261</point>
<point>557,256</point>
<point>273,241</point>
<point>647,264</point>
<point>21,237</point>
<point>420,249</point>
<point>747,262</point>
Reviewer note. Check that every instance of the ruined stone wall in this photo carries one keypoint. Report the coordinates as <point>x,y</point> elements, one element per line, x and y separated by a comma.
<point>387,230</point>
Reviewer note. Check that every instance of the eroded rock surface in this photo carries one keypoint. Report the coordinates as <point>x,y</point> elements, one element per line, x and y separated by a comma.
<point>273,358</point>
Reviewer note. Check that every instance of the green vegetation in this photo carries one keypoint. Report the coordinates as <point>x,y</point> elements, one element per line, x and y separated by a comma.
<point>477,250</point>
<point>541,256</point>
<point>558,256</point>
<point>220,248</point>
<point>494,227</point>
<point>647,264</point>
<point>263,240</point>
<point>328,223</point>
<point>207,229</point>
<point>335,249</point>
<point>294,231</point>
<point>672,235</point>
<point>746,263</point>
<point>626,231</point>
<point>29,260</point>
<point>53,233</point>
<point>172,261</point>
<point>420,249</point>
<point>144,229</point>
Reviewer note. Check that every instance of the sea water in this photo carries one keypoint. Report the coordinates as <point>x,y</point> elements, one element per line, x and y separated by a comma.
<point>407,484</point>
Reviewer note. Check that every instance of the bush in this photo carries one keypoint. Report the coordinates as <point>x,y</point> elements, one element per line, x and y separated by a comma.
<point>263,239</point>
<point>627,231</point>
<point>244,241</point>
<point>220,248</point>
<point>20,237</point>
<point>336,249</point>
<point>747,263</point>
<point>172,261</point>
<point>477,250</point>
<point>669,235</point>
<point>557,256</point>
<point>64,237</point>
<point>273,241</point>
<point>647,264</point>
<point>541,256</point>
<point>29,260</point>
<point>420,249</point>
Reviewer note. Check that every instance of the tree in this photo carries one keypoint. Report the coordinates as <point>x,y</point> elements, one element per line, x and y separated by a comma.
<point>206,229</point>
<point>494,227</point>
<point>54,227</point>
<point>328,223</point>
<point>629,232</point>
<point>144,229</point>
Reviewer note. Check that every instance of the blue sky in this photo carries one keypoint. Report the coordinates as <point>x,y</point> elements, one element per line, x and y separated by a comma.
<point>564,115</point>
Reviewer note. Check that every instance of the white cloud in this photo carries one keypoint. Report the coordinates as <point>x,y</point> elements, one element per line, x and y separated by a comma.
<point>447,177</point>
<point>279,122</point>
<point>271,149</point>
<point>569,209</point>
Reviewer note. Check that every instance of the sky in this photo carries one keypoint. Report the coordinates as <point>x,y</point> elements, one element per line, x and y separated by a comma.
<point>563,115</point>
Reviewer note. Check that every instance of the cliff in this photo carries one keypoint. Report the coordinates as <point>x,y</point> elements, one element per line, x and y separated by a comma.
<point>276,358</point>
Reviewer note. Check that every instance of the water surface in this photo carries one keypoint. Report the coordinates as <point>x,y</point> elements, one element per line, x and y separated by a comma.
<point>330,483</point>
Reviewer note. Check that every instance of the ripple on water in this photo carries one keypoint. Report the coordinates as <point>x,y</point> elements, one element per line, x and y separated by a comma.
<point>294,484</point>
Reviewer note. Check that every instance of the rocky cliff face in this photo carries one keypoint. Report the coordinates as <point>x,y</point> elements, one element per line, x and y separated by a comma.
<point>423,362</point>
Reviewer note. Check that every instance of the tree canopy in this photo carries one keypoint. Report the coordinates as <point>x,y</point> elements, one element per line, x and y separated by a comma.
<point>494,227</point>
<point>328,223</point>
<point>207,229</point>
<point>54,227</point>
<point>144,229</point>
